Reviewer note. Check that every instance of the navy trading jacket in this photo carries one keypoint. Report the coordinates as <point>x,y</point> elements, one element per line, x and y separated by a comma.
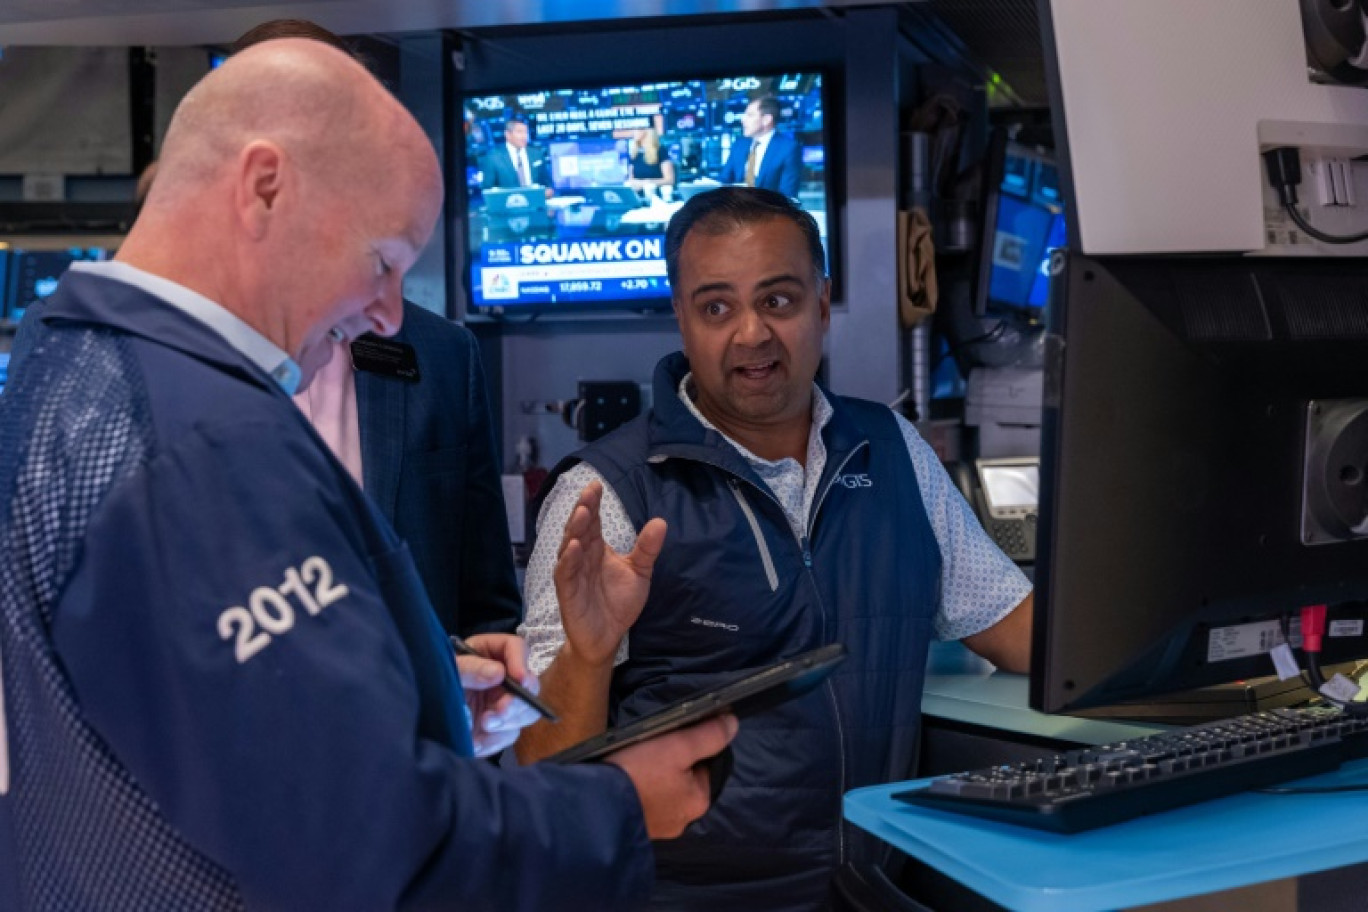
<point>735,589</point>
<point>223,686</point>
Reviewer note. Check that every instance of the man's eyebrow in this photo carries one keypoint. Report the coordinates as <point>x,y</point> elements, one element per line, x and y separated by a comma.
<point>779,280</point>
<point>766,283</point>
<point>710,288</point>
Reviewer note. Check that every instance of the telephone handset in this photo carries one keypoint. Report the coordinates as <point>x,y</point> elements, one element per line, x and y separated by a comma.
<point>1004,494</point>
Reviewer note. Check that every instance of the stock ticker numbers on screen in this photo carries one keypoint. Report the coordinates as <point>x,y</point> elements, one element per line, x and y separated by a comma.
<point>578,220</point>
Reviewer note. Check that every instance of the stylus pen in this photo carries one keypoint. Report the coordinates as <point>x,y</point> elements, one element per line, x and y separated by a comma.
<point>508,684</point>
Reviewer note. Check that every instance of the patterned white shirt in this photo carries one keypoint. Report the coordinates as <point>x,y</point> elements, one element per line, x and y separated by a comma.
<point>979,584</point>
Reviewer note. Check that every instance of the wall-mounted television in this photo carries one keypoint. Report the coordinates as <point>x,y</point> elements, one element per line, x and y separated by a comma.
<point>577,223</point>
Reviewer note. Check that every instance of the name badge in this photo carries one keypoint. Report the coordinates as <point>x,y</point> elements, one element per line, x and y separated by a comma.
<point>385,357</point>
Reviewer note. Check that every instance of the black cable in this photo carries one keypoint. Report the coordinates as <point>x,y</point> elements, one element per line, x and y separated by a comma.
<point>1319,235</point>
<point>1284,174</point>
<point>991,335</point>
<point>1314,678</point>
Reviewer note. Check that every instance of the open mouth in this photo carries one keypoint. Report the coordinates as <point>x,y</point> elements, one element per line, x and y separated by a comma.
<point>759,371</point>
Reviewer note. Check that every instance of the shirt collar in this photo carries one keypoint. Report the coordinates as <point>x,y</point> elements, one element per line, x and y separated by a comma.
<point>258,349</point>
<point>821,414</point>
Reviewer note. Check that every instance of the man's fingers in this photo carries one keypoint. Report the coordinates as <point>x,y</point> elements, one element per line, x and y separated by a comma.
<point>575,528</point>
<point>479,673</point>
<point>508,714</point>
<point>648,546</point>
<point>583,516</point>
<point>567,572</point>
<point>706,739</point>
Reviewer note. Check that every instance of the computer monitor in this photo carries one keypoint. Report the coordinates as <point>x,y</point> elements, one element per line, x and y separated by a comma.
<point>1022,222</point>
<point>35,270</point>
<point>1204,471</point>
<point>1205,429</point>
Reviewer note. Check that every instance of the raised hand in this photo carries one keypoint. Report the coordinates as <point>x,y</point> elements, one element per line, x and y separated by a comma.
<point>601,592</point>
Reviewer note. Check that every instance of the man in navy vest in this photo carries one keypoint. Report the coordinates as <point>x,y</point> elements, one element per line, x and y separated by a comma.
<point>795,518</point>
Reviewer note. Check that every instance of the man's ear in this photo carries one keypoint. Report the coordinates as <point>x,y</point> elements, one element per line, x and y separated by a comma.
<point>259,180</point>
<point>824,303</point>
<point>683,337</point>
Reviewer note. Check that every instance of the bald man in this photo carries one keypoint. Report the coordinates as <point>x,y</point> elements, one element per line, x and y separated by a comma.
<point>221,685</point>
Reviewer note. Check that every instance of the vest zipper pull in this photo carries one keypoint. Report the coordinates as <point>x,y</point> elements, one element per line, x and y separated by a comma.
<point>807,554</point>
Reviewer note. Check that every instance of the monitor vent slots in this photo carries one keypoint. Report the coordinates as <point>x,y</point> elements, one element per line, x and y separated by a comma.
<point>1216,309</point>
<point>1323,307</point>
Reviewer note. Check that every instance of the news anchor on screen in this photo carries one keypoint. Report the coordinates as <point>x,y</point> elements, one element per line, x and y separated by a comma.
<point>763,157</point>
<point>512,164</point>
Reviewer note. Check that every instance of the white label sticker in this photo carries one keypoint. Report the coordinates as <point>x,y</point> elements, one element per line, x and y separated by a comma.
<point>4,735</point>
<point>1244,640</point>
<point>1284,662</point>
<point>1351,628</point>
<point>1340,688</point>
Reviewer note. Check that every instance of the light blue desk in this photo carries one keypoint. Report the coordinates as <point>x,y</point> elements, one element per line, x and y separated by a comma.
<point>1218,845</point>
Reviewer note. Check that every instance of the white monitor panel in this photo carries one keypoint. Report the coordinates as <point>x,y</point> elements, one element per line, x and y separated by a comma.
<point>1166,106</point>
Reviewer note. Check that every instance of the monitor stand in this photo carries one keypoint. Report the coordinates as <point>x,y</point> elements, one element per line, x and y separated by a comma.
<point>1220,701</point>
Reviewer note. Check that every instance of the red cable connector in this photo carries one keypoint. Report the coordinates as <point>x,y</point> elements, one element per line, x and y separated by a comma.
<point>1312,627</point>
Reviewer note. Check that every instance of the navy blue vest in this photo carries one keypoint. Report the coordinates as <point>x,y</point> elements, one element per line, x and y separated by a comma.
<point>736,589</point>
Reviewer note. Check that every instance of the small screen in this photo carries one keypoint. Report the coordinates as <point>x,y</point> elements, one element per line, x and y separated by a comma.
<point>580,222</point>
<point>1011,486</point>
<point>1026,225</point>
<point>4,370</point>
<point>34,274</point>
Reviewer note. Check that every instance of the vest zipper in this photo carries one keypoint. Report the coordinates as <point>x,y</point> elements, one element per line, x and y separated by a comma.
<point>770,574</point>
<point>840,793</point>
<point>805,542</point>
<point>821,498</point>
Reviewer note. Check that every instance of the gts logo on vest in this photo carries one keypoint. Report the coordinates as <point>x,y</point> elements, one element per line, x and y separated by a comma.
<point>720,625</point>
<point>855,481</point>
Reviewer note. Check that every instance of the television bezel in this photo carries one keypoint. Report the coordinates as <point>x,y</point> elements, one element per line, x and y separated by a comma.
<point>654,307</point>
<point>1000,145</point>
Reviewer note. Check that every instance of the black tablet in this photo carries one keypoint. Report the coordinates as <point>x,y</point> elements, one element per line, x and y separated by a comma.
<point>747,695</point>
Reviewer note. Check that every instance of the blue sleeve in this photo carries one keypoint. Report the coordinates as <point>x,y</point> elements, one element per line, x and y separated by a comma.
<point>277,731</point>
<point>489,168</point>
<point>542,173</point>
<point>733,171</point>
<point>791,172</point>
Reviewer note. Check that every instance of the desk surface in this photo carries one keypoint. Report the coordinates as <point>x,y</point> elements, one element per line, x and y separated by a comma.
<point>1218,845</point>
<point>963,687</point>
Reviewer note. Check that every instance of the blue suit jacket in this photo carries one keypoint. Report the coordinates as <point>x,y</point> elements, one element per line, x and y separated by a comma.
<point>498,170</point>
<point>781,169</point>
<point>178,480</point>
<point>428,461</point>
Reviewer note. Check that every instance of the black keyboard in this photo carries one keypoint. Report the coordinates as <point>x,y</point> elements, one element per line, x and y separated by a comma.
<point>1097,786</point>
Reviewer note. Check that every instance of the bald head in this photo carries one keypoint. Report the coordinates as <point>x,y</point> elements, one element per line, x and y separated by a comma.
<point>317,103</point>
<point>293,190</point>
